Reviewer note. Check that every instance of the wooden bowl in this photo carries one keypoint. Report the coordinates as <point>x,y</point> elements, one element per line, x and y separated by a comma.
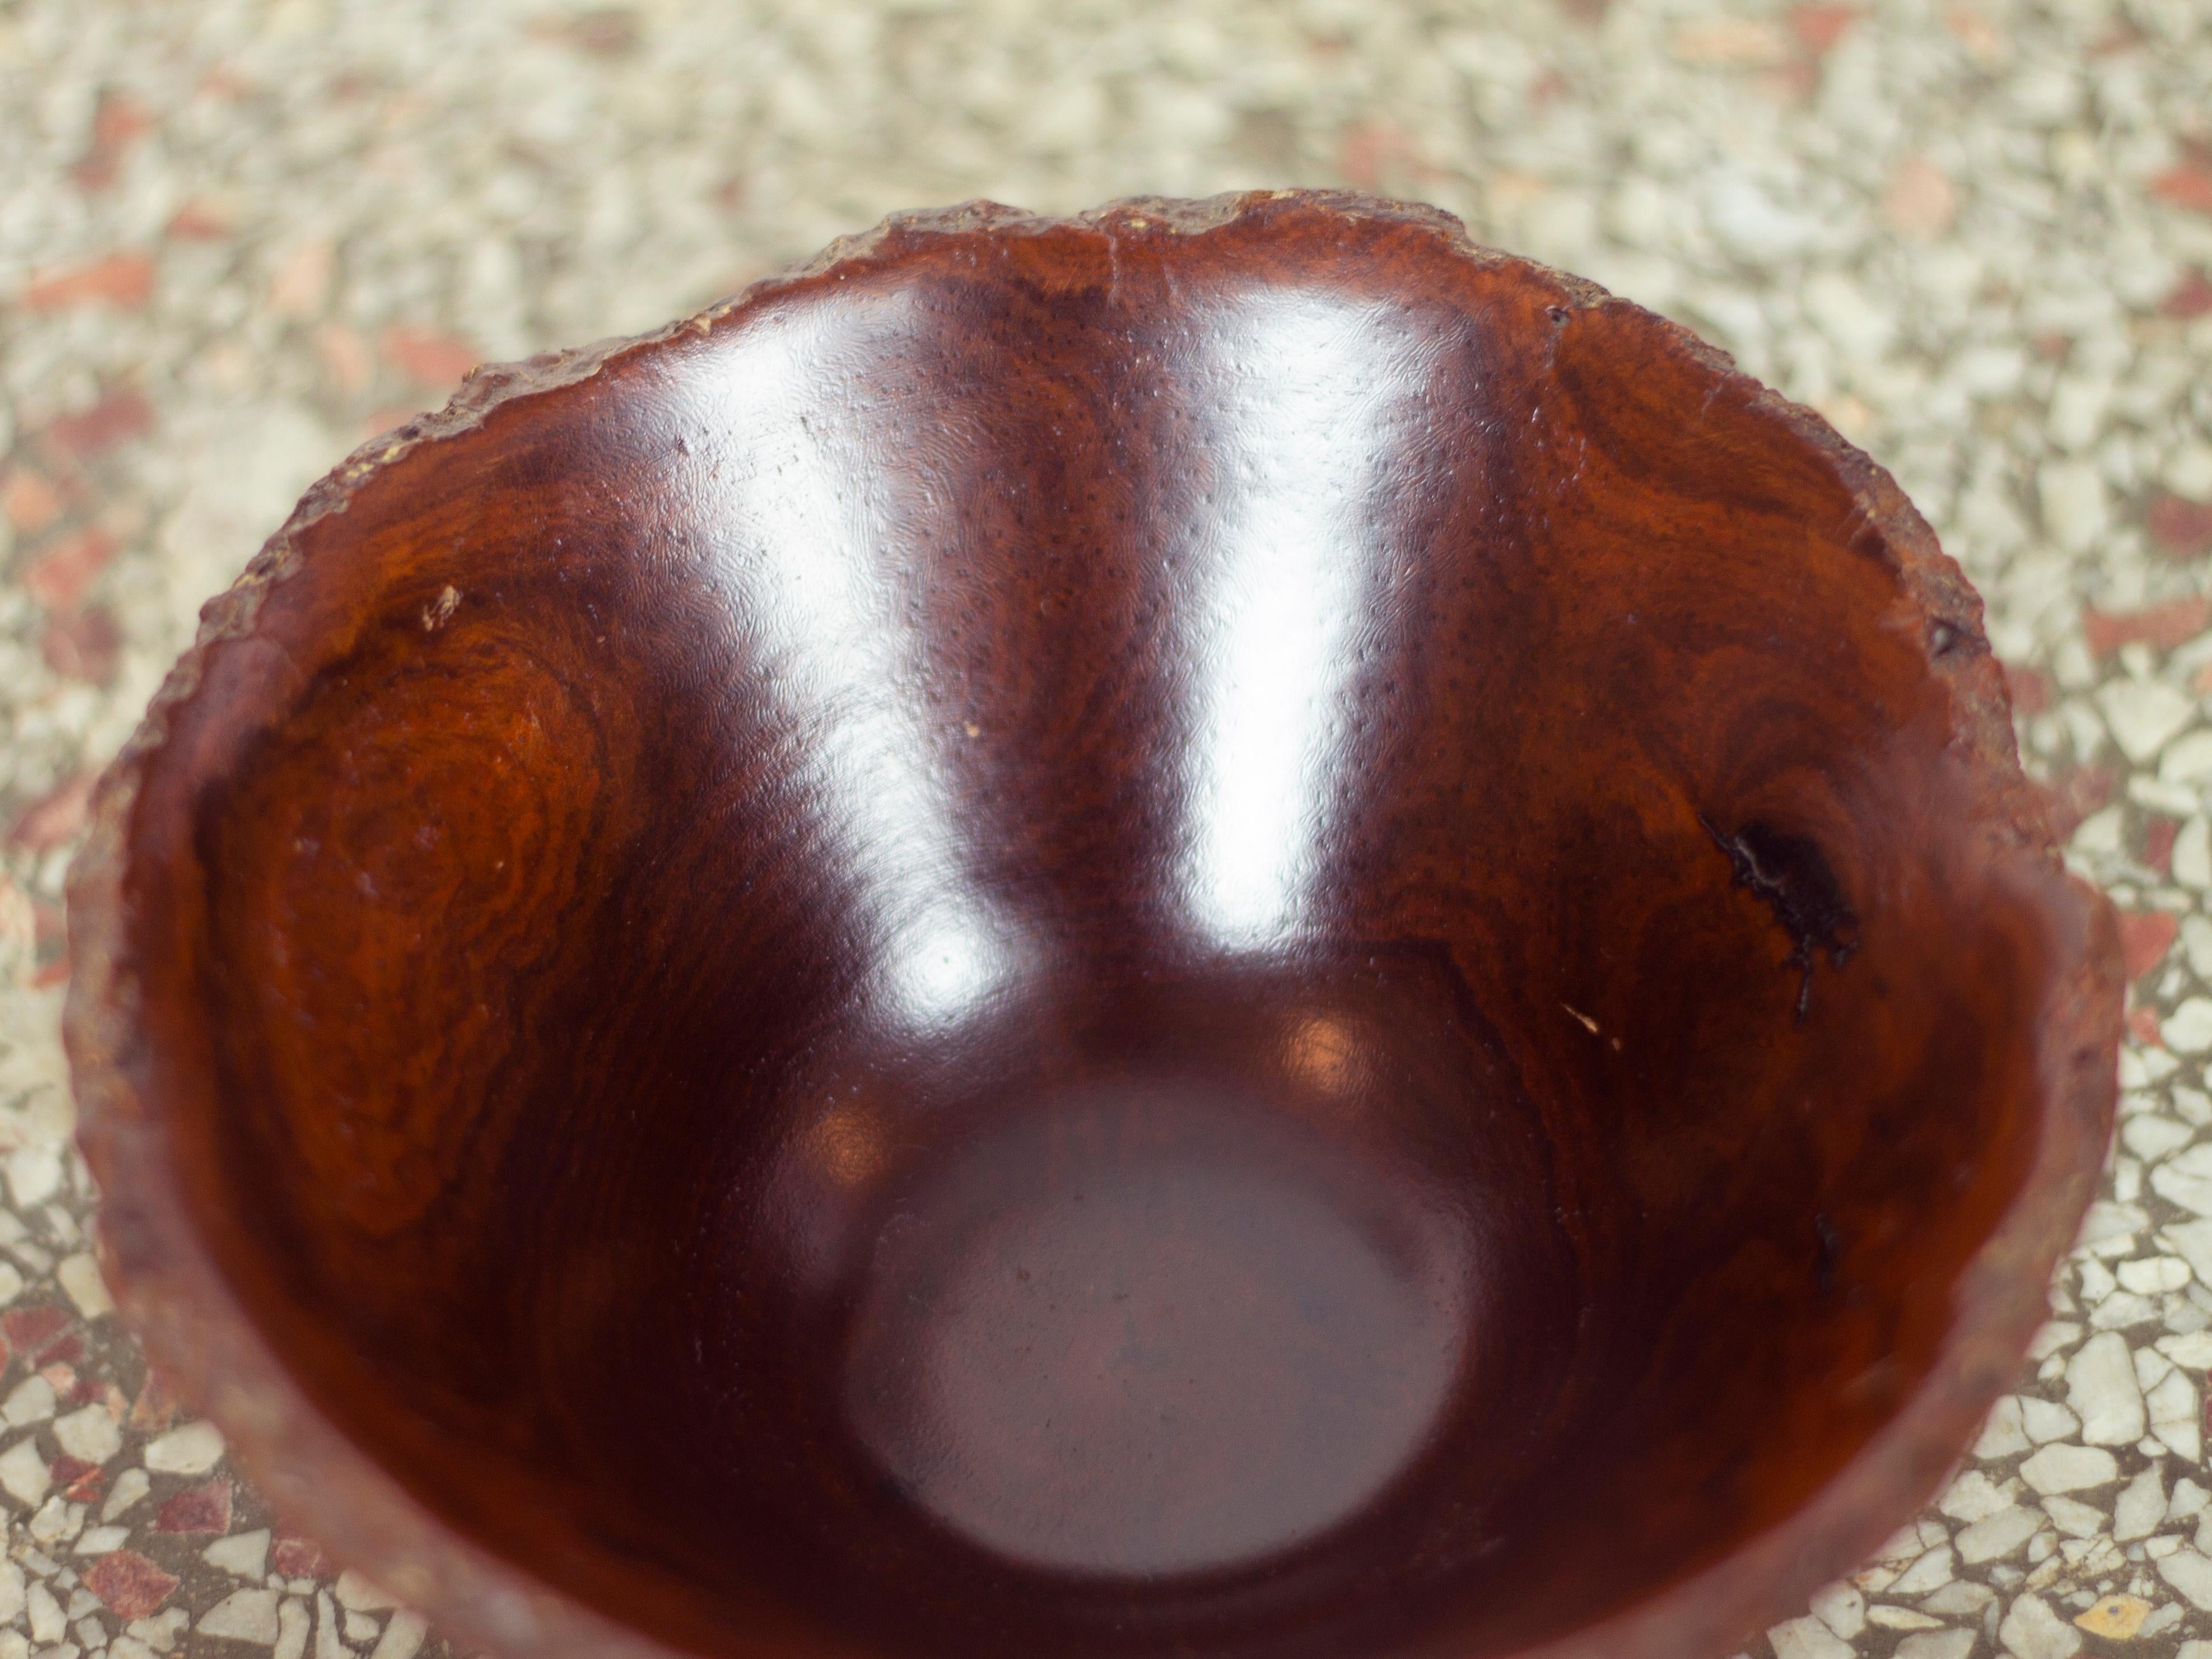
<point>1223,929</point>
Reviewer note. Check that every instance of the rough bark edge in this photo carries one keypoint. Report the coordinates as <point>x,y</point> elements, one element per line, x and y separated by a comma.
<point>482,1595</point>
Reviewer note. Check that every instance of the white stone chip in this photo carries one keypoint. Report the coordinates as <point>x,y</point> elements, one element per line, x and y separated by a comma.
<point>2101,1389</point>
<point>160,1632</point>
<point>357,1594</point>
<point>402,1638</point>
<point>100,1540</point>
<point>2092,1558</point>
<point>2075,508</point>
<point>1995,1536</point>
<point>2186,1030</point>
<point>245,1554</point>
<point>2032,1630</point>
<point>2109,1220</point>
<point>2101,834</point>
<point>1857,327</point>
<point>11,1590</point>
<point>47,1619</point>
<point>247,1615</point>
<point>2054,1336</point>
<point>291,1625</point>
<point>1876,1578</point>
<point>2144,715</point>
<point>1808,1638</point>
<point>190,1448</point>
<point>2046,1420</point>
<point>89,1433</point>
<point>1937,1644</point>
<point>2077,410</point>
<point>2152,1368</point>
<point>2196,945</point>
<point>2095,1278</point>
<point>2155,1275</point>
<point>2004,1434</point>
<point>24,1474</point>
<point>2140,1506</point>
<point>2176,800</point>
<point>1974,1495</point>
<point>2151,1137</point>
<point>1841,1609</point>
<point>2063,1467</point>
<point>57,1520</point>
<point>1927,1575</point>
<point>329,1644</point>
<point>2189,1573</point>
<point>79,1279</point>
<point>2122,1310</point>
<point>2174,1416</point>
<point>31,1402</point>
<point>2192,1242</point>
<point>129,1489</point>
<point>1888,1617</point>
<point>2074,1518</point>
<point>2188,760</point>
<point>2189,472</point>
<point>1961,1599</point>
<point>1750,221</point>
<point>35,1175</point>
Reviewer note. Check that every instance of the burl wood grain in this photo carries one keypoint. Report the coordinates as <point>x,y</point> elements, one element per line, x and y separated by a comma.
<point>1225,929</point>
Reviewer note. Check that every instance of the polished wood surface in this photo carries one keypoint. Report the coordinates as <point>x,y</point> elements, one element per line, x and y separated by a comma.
<point>1224,930</point>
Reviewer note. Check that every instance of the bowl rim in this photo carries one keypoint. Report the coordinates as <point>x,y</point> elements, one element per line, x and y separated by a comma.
<point>199,1335</point>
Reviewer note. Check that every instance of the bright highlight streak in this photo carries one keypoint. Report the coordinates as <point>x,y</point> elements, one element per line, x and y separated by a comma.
<point>1299,387</point>
<point>824,455</point>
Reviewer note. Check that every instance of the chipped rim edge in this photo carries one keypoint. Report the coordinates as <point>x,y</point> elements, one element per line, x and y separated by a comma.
<point>184,1310</point>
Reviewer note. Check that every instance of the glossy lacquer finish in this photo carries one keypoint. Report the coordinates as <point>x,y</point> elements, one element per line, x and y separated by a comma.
<point>1222,930</point>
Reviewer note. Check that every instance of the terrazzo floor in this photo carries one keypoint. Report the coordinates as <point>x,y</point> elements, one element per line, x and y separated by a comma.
<point>236,239</point>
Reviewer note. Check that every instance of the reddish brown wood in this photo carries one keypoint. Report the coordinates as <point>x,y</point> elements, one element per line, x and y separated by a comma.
<point>1222,929</point>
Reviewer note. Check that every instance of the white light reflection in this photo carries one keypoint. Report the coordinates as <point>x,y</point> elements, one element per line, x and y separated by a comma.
<point>829,468</point>
<point>1304,392</point>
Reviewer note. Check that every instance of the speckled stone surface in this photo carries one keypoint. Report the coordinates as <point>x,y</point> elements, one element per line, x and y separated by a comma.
<point>237,238</point>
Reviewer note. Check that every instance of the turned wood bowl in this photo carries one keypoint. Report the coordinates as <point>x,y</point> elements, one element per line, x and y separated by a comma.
<point>1223,929</point>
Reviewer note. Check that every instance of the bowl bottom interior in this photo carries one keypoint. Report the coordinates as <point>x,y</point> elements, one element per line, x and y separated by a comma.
<point>1167,1281</point>
<point>1152,1328</point>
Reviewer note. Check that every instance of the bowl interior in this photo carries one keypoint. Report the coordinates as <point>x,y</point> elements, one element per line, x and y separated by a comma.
<point>1270,940</point>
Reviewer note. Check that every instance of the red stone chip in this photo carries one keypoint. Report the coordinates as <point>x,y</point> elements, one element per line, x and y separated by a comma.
<point>130,1585</point>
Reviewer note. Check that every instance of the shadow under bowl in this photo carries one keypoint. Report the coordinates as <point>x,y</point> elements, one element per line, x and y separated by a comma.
<point>1224,928</point>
